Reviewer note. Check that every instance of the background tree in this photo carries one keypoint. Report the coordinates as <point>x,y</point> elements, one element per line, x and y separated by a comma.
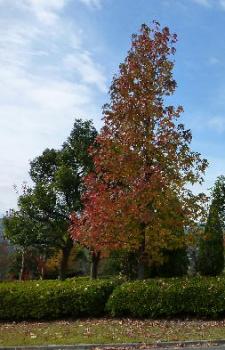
<point>143,163</point>
<point>211,247</point>
<point>44,211</point>
<point>218,196</point>
<point>59,175</point>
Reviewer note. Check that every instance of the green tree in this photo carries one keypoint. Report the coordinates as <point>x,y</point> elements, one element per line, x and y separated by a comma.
<point>58,177</point>
<point>211,247</point>
<point>44,211</point>
<point>218,195</point>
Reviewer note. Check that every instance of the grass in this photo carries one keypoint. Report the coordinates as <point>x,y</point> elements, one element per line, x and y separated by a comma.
<point>108,331</point>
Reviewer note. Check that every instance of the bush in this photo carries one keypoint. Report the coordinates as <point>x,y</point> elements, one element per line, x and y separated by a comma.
<point>80,297</point>
<point>54,299</point>
<point>199,297</point>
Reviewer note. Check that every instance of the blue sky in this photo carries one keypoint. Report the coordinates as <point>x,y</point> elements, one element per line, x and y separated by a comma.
<point>57,59</point>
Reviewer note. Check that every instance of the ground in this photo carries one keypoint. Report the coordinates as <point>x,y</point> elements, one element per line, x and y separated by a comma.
<point>108,331</point>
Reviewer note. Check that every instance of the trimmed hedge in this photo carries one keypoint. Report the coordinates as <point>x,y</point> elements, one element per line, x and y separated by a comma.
<point>198,297</point>
<point>54,299</point>
<point>80,297</point>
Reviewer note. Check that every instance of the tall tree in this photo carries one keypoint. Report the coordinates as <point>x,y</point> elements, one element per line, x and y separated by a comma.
<point>211,247</point>
<point>143,162</point>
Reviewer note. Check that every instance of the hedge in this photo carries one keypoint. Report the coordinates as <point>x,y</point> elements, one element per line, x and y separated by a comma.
<point>35,300</point>
<point>80,297</point>
<point>198,297</point>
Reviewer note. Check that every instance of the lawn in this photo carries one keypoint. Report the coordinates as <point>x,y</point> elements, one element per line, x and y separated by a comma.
<point>108,331</point>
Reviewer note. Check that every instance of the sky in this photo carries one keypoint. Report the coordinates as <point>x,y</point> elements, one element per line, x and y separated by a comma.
<point>57,60</point>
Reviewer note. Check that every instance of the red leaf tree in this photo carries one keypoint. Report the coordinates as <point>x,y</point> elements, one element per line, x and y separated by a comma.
<point>137,198</point>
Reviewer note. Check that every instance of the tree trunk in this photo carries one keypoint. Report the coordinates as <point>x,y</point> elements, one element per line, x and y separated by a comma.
<point>65,258</point>
<point>22,269</point>
<point>95,258</point>
<point>41,266</point>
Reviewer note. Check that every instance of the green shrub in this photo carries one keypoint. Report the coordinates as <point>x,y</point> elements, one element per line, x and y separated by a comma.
<point>199,297</point>
<point>80,297</point>
<point>54,299</point>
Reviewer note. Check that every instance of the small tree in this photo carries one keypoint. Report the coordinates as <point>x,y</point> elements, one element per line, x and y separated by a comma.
<point>24,235</point>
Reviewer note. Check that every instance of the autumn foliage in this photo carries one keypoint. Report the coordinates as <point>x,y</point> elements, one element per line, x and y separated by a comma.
<point>137,198</point>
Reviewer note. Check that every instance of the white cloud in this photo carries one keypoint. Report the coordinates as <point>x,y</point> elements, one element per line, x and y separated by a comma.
<point>214,60</point>
<point>92,3</point>
<point>89,71</point>
<point>214,123</point>
<point>211,3</point>
<point>205,3</point>
<point>49,5</point>
<point>40,97</point>
<point>217,123</point>
<point>46,10</point>
<point>222,4</point>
